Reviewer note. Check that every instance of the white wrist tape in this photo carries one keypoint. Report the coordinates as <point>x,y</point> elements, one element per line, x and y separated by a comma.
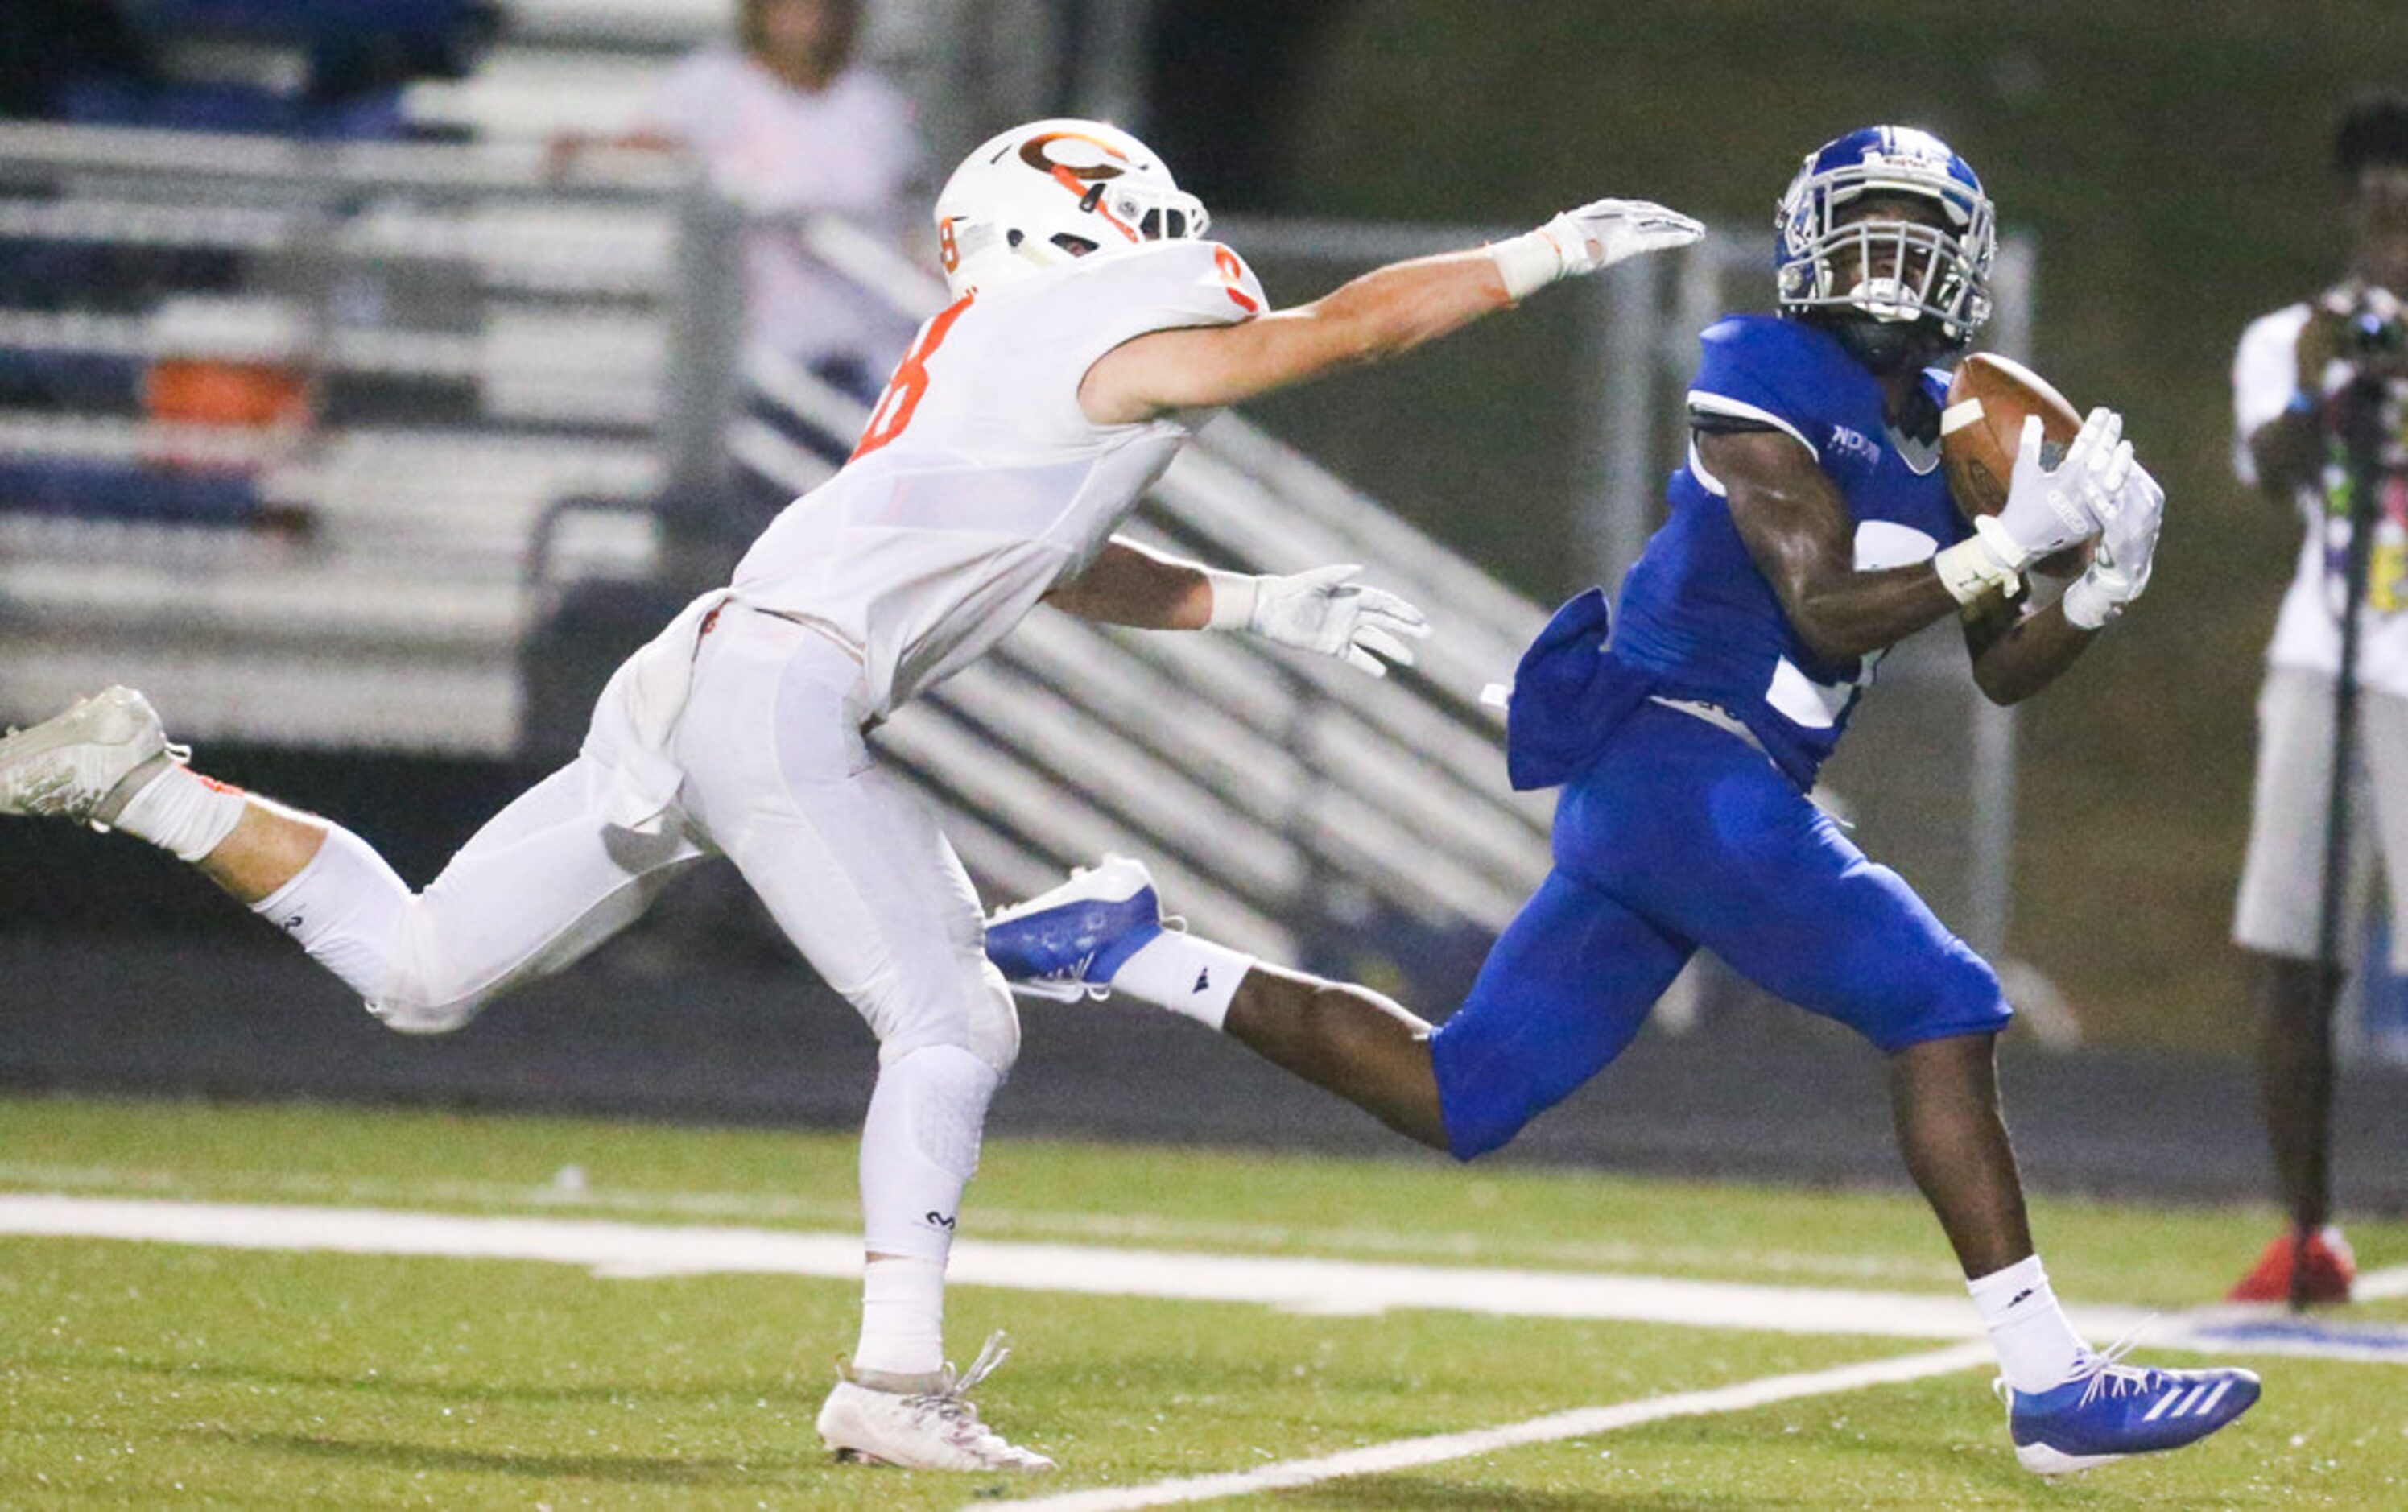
<point>1971,569</point>
<point>2088,605</point>
<point>1527,262</point>
<point>1234,596</point>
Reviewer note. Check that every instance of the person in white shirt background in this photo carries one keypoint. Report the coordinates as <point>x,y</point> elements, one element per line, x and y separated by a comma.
<point>2286,381</point>
<point>788,124</point>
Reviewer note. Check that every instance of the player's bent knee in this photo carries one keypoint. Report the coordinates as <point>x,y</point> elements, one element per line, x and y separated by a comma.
<point>421,995</point>
<point>404,1017</point>
<point>1968,1001</point>
<point>994,1021</point>
<point>1474,1133</point>
<point>1481,1112</point>
<point>971,1010</point>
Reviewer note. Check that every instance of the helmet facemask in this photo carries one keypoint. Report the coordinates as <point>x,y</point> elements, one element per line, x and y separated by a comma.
<point>1883,277</point>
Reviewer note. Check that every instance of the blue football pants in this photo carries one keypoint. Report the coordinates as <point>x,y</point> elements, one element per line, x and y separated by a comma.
<point>1684,837</point>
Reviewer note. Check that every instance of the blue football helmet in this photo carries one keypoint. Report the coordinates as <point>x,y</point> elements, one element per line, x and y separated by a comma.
<point>1908,276</point>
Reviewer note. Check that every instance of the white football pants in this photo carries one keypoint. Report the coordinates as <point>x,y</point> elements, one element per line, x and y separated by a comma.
<point>848,861</point>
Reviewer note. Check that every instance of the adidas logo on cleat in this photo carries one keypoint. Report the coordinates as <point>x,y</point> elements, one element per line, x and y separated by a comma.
<point>1203,981</point>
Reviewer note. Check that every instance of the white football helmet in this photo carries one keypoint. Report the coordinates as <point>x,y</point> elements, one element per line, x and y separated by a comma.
<point>1040,194</point>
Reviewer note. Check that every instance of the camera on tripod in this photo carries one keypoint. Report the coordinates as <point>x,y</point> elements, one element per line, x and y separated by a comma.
<point>2373,334</point>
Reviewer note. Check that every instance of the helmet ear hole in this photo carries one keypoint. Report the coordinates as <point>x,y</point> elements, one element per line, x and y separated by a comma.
<point>1013,239</point>
<point>1075,246</point>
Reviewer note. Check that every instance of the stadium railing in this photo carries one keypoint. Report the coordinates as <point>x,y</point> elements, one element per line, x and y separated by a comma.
<point>566,358</point>
<point>467,344</point>
<point>1254,782</point>
<point>502,374</point>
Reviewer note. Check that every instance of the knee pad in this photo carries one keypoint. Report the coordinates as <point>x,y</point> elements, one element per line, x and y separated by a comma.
<point>920,1147</point>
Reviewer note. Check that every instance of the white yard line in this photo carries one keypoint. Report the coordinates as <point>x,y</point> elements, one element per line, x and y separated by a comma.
<point>2381,1285</point>
<point>1323,1287</point>
<point>1444,1246</point>
<point>1404,1454</point>
<point>1311,1286</point>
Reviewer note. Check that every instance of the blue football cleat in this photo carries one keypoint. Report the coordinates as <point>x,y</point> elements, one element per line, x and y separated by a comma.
<point>1066,944</point>
<point>2106,1410</point>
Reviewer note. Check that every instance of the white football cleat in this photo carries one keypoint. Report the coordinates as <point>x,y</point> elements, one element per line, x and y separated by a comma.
<point>87,764</point>
<point>935,1429</point>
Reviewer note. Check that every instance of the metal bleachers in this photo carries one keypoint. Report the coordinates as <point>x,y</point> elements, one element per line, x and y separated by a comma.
<point>505,372</point>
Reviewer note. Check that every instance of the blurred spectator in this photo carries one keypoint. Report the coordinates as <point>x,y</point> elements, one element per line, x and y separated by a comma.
<point>2291,367</point>
<point>788,126</point>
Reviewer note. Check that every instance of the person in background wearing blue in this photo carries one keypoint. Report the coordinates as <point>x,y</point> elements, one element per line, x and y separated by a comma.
<point>1811,530</point>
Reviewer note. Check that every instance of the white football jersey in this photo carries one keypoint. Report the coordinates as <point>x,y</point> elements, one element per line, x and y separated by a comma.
<point>979,484</point>
<point>2307,634</point>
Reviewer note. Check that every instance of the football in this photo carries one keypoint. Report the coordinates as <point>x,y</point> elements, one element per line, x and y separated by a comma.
<point>1983,423</point>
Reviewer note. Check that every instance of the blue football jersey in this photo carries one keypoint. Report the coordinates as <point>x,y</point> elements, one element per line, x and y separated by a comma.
<point>1697,619</point>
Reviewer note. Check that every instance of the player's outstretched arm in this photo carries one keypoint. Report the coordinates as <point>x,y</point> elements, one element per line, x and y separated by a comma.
<point>1322,611</point>
<point>1386,312</point>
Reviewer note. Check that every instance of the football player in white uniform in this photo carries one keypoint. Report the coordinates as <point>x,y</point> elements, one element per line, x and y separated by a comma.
<point>1093,329</point>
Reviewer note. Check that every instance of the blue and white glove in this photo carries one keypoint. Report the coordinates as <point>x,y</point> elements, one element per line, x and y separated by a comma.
<point>2127,551</point>
<point>1323,610</point>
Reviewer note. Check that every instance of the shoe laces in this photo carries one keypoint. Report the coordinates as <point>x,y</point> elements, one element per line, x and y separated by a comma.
<point>2109,1376</point>
<point>950,1400</point>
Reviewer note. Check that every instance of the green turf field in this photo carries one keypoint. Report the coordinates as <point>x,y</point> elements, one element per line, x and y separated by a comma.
<point>154,1374</point>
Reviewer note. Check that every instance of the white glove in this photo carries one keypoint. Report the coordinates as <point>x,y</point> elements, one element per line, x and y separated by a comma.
<point>2047,509</point>
<point>1595,235</point>
<point>1321,611</point>
<point>2126,553</point>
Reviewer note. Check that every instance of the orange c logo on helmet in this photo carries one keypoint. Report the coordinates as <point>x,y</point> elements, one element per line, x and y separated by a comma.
<point>1086,182</point>
<point>1035,153</point>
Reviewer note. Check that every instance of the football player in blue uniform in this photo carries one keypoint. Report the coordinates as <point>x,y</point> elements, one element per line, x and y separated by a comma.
<point>1811,530</point>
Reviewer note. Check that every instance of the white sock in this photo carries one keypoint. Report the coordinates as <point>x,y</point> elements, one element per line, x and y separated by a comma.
<point>902,1318</point>
<point>183,811</point>
<point>1184,974</point>
<point>2037,1347</point>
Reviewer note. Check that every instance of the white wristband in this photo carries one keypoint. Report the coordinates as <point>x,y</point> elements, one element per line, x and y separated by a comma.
<point>2088,606</point>
<point>1234,595</point>
<point>1527,262</point>
<point>1993,533</point>
<point>1971,569</point>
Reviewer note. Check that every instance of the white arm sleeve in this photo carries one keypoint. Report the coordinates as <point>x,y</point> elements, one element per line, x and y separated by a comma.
<point>2265,374</point>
